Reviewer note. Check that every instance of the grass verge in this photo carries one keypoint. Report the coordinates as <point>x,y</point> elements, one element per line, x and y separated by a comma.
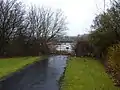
<point>86,74</point>
<point>10,65</point>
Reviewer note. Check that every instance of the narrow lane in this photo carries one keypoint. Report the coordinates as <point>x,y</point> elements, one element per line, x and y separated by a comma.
<point>40,76</point>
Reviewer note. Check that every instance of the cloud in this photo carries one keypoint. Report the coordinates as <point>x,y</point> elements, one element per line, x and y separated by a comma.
<point>80,13</point>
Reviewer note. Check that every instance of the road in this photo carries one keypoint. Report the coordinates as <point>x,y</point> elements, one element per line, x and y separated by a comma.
<point>43,75</point>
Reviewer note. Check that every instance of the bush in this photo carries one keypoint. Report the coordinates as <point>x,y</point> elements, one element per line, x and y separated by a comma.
<point>113,62</point>
<point>83,48</point>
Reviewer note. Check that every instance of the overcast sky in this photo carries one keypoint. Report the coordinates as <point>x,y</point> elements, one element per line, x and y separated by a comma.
<point>80,13</point>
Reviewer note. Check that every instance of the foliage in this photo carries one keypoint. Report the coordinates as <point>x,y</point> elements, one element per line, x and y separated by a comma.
<point>86,74</point>
<point>113,62</point>
<point>106,29</point>
<point>105,39</point>
<point>83,48</point>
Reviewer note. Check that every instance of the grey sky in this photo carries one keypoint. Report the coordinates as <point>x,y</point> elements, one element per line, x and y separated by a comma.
<point>80,13</point>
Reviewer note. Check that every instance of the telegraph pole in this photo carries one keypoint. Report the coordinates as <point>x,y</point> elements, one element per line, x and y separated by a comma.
<point>104,5</point>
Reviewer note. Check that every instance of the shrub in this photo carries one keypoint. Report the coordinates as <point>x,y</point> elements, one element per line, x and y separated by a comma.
<point>113,62</point>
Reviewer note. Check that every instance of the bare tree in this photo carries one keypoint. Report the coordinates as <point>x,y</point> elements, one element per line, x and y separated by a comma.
<point>33,28</point>
<point>54,24</point>
<point>11,21</point>
<point>45,24</point>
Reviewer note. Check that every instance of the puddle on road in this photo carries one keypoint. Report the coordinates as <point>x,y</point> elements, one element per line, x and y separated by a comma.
<point>40,76</point>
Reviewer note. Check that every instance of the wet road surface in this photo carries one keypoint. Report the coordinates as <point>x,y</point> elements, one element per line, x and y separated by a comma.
<point>43,75</point>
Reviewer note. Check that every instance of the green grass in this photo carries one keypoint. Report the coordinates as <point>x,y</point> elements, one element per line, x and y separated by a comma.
<point>89,75</point>
<point>10,65</point>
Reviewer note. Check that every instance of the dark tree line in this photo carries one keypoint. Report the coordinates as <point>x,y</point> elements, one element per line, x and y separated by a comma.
<point>106,29</point>
<point>27,32</point>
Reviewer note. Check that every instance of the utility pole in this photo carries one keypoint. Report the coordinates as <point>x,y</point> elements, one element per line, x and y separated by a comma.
<point>104,5</point>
